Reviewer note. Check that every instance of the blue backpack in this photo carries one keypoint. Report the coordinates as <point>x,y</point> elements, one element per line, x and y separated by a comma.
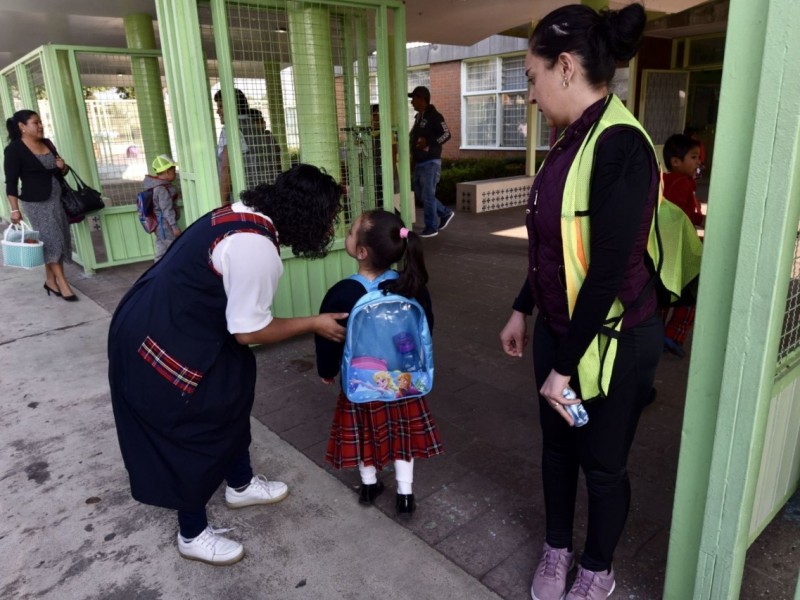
<point>145,210</point>
<point>388,351</point>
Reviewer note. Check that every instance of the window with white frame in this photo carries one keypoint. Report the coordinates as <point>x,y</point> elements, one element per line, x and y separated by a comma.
<point>494,104</point>
<point>494,108</point>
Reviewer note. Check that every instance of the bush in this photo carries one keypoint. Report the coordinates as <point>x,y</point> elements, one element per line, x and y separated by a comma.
<point>474,169</point>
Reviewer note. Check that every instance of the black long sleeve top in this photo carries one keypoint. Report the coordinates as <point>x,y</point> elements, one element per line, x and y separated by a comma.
<point>21,165</point>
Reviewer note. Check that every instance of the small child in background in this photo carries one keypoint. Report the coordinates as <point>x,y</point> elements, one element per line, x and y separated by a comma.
<point>682,158</point>
<point>694,134</point>
<point>370,435</point>
<point>165,196</point>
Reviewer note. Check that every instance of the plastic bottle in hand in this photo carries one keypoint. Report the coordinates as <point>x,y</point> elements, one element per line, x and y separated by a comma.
<point>576,411</point>
<point>409,357</point>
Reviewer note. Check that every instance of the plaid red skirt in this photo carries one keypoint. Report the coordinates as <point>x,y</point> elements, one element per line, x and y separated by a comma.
<point>379,433</point>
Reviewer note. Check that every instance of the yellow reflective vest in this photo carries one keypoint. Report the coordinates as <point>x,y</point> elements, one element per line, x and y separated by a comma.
<point>673,245</point>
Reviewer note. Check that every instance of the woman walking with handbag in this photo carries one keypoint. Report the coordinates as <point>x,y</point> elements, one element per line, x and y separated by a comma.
<point>32,160</point>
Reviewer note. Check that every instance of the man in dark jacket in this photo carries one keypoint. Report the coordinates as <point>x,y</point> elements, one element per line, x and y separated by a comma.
<point>427,136</point>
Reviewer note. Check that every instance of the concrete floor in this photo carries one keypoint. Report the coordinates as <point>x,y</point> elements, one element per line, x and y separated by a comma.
<point>480,504</point>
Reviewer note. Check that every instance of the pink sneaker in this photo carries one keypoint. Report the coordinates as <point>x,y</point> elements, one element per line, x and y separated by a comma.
<point>592,585</point>
<point>550,578</point>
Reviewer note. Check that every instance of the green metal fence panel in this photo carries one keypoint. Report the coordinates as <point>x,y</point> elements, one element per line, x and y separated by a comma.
<point>779,470</point>
<point>124,239</point>
<point>300,76</point>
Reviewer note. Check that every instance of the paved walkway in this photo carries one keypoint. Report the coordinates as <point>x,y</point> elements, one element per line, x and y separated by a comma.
<point>479,523</point>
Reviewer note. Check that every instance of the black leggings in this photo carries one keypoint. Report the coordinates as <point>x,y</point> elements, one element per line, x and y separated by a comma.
<point>191,523</point>
<point>600,448</point>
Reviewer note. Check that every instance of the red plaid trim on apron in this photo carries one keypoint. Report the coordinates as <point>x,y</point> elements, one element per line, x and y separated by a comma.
<point>378,433</point>
<point>227,215</point>
<point>182,377</point>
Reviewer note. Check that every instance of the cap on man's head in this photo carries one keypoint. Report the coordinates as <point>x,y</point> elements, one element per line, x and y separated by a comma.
<point>162,163</point>
<point>421,92</point>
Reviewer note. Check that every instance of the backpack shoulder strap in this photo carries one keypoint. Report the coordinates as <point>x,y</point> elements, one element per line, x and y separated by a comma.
<point>375,283</point>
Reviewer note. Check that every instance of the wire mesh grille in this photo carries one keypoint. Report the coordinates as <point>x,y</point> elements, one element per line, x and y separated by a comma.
<point>665,103</point>
<point>282,115</point>
<point>13,86</point>
<point>115,123</point>
<point>36,77</point>
<point>790,334</point>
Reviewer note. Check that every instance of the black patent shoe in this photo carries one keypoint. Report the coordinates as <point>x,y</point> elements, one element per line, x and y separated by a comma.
<point>368,492</point>
<point>405,505</point>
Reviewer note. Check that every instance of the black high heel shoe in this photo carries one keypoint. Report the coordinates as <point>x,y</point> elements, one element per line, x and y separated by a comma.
<point>50,290</point>
<point>72,298</point>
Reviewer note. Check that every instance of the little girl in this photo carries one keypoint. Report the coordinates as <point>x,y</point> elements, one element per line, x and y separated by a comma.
<point>370,434</point>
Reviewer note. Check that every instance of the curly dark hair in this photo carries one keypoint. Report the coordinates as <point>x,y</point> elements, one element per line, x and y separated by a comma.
<point>303,204</point>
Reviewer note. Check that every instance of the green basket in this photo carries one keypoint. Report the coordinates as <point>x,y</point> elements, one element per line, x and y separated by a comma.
<point>20,253</point>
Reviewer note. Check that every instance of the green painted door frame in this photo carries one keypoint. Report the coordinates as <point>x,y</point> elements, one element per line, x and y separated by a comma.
<point>754,208</point>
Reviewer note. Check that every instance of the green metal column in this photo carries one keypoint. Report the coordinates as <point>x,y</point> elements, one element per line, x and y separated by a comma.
<point>7,107</point>
<point>277,112</point>
<point>71,134</point>
<point>750,236</point>
<point>400,98</point>
<point>315,90</point>
<point>354,182</point>
<point>5,98</point>
<point>190,101</point>
<point>26,91</point>
<point>70,129</point>
<point>387,80</point>
<point>365,110</point>
<point>139,34</point>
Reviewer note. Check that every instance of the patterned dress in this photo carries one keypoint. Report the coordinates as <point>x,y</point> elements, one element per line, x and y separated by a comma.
<point>50,220</point>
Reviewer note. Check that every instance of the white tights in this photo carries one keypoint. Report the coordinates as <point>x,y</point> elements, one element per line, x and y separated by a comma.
<point>404,473</point>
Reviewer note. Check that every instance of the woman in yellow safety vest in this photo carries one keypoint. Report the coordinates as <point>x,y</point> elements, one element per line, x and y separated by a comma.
<point>596,333</point>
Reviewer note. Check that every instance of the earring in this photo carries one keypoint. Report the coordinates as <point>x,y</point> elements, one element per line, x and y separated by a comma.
<point>565,83</point>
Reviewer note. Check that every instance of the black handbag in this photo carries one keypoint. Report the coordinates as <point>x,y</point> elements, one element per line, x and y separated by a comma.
<point>81,200</point>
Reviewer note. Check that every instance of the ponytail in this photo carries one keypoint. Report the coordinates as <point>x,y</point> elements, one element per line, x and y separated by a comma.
<point>389,242</point>
<point>12,124</point>
<point>413,275</point>
<point>601,40</point>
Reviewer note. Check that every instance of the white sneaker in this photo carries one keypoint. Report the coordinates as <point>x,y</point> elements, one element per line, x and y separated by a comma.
<point>211,548</point>
<point>260,491</point>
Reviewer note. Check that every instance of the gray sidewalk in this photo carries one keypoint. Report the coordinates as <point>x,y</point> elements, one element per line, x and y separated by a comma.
<point>71,531</point>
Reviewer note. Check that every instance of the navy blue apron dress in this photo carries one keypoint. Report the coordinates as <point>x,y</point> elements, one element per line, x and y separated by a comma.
<point>182,387</point>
